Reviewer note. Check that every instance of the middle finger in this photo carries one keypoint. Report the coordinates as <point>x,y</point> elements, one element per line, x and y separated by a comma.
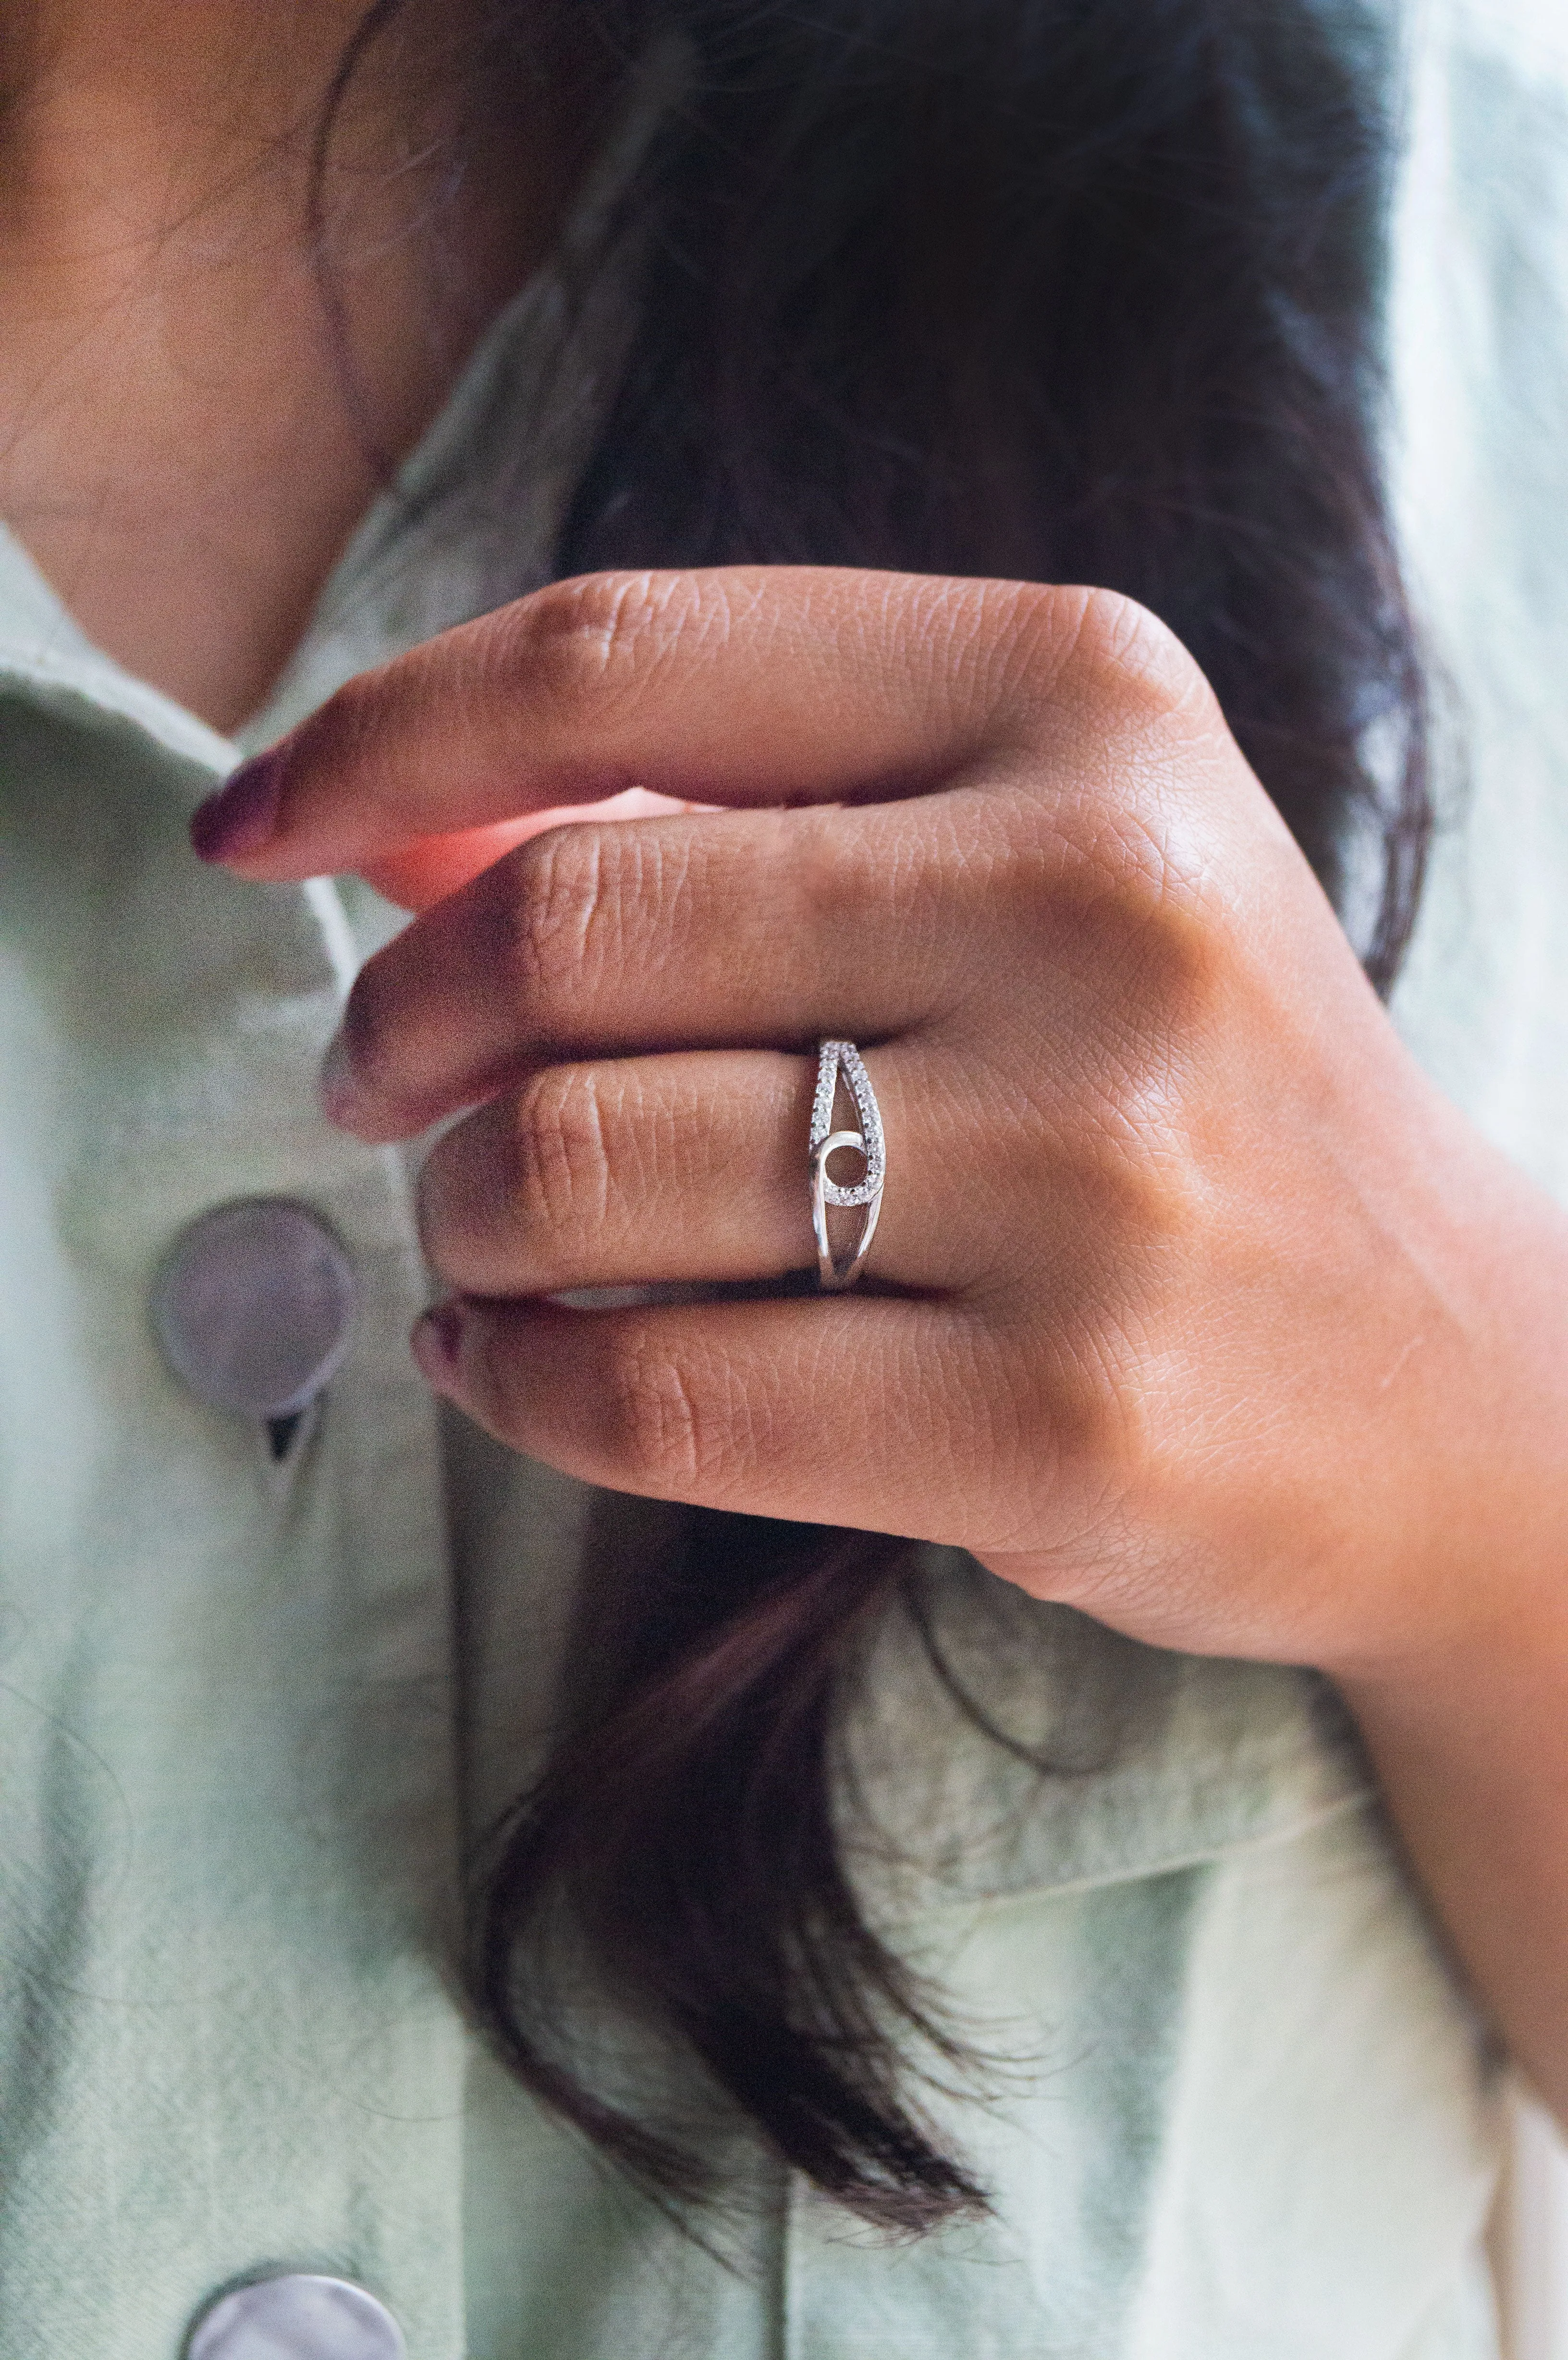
<point>716,931</point>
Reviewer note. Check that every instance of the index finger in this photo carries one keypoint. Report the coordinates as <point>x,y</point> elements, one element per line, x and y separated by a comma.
<point>739,686</point>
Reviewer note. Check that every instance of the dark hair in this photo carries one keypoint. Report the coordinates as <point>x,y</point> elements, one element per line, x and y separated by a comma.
<point>1067,290</point>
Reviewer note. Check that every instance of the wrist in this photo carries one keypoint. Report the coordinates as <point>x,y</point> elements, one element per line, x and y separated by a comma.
<point>1465,1575</point>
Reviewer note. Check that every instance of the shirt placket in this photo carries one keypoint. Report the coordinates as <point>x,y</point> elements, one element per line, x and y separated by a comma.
<point>228,1891</point>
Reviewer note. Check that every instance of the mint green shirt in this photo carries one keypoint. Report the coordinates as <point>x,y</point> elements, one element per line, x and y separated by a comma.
<point>250,1710</point>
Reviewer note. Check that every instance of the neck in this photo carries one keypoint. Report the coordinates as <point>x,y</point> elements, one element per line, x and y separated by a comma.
<point>214,332</point>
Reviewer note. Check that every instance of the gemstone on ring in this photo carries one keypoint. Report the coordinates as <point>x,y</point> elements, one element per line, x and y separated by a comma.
<point>837,1061</point>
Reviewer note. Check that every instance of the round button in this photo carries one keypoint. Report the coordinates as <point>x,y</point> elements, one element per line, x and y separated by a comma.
<point>298,2319</point>
<point>254,1305</point>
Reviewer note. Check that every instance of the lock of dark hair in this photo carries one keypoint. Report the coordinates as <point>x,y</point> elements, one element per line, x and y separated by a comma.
<point>1069,290</point>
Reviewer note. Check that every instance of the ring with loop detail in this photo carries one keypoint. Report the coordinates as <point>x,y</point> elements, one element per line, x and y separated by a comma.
<point>840,1061</point>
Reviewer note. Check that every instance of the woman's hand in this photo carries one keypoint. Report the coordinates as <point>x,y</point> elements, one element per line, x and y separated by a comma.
<point>1194,1303</point>
<point>1175,1265</point>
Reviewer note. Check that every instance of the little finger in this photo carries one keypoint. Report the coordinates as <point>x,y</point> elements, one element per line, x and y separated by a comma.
<point>880,1412</point>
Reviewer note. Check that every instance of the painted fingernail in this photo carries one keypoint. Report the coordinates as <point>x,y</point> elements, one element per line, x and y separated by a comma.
<point>243,814</point>
<point>337,1083</point>
<point>437,1345</point>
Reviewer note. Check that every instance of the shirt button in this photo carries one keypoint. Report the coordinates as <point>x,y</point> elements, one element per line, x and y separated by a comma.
<point>298,2319</point>
<point>254,1305</point>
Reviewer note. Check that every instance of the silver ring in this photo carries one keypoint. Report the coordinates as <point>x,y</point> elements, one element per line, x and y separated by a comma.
<point>837,1061</point>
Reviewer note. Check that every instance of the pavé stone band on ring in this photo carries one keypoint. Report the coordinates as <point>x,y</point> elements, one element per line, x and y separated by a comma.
<point>837,1061</point>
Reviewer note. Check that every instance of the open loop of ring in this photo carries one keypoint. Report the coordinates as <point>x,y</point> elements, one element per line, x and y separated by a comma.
<point>837,1059</point>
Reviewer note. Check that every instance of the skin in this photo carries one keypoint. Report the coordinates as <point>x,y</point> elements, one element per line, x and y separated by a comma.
<point>181,455</point>
<point>1192,1302</point>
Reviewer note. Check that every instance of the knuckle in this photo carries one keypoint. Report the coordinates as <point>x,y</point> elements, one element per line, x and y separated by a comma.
<point>1124,655</point>
<point>561,1163</point>
<point>580,897</point>
<point>679,1423</point>
<point>562,908</point>
<point>663,1427</point>
<point>1103,1420</point>
<point>1128,730</point>
<point>1119,899</point>
<point>1089,664</point>
<point>587,643</point>
<point>1151,1194</point>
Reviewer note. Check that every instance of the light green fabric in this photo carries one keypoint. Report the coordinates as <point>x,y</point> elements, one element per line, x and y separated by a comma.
<point>246,1709</point>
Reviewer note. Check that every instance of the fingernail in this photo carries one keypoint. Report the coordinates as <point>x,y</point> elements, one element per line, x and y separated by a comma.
<point>337,1083</point>
<point>243,814</point>
<point>437,1345</point>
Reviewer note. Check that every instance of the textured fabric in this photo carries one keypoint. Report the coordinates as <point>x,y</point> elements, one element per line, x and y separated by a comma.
<point>248,1708</point>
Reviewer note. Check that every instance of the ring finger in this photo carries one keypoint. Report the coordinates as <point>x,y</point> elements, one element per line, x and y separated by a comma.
<point>683,1167</point>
